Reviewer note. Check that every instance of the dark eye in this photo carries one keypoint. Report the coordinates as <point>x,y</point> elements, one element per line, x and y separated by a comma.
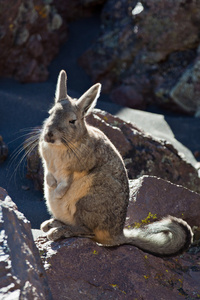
<point>72,121</point>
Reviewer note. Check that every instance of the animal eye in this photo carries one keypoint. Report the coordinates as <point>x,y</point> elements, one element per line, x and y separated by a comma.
<point>72,121</point>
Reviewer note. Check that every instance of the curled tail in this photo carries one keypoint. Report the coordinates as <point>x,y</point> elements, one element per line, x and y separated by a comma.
<point>168,237</point>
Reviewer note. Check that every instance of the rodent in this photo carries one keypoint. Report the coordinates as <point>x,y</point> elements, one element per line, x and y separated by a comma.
<point>86,183</point>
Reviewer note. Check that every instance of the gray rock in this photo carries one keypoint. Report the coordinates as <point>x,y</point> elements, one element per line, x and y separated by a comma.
<point>186,92</point>
<point>22,275</point>
<point>145,51</point>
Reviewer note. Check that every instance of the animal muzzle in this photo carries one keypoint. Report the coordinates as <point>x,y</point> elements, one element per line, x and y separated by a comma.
<point>49,137</point>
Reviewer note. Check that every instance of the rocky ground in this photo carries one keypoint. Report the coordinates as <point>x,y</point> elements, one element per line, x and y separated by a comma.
<point>24,106</point>
<point>77,268</point>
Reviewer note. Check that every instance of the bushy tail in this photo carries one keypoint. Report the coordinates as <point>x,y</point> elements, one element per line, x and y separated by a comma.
<point>168,237</point>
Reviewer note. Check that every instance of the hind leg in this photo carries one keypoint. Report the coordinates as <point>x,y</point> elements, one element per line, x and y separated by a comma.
<point>65,231</point>
<point>56,230</point>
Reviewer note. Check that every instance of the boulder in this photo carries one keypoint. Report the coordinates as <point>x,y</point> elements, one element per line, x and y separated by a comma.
<point>78,268</point>
<point>31,33</point>
<point>144,49</point>
<point>142,154</point>
<point>153,198</point>
<point>22,275</point>
<point>186,92</point>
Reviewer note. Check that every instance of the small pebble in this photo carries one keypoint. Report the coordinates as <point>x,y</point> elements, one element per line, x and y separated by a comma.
<point>197,154</point>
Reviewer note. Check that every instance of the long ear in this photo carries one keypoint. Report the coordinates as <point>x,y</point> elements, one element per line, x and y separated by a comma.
<point>89,99</point>
<point>61,88</point>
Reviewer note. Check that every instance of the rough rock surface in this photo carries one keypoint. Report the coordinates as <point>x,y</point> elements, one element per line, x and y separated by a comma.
<point>186,93</point>
<point>146,52</point>
<point>22,275</point>
<point>3,150</point>
<point>31,33</point>
<point>142,154</point>
<point>30,36</point>
<point>80,269</point>
<point>152,196</point>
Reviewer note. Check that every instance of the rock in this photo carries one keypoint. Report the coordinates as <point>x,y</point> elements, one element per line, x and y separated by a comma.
<point>126,94</point>
<point>142,154</point>
<point>71,10</point>
<point>77,268</point>
<point>167,24</point>
<point>145,155</point>
<point>145,51</point>
<point>34,166</point>
<point>152,196</point>
<point>160,127</point>
<point>186,92</point>
<point>22,275</point>
<point>3,150</point>
<point>31,34</point>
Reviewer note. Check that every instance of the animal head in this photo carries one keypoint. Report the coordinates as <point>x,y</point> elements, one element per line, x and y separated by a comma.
<point>66,124</point>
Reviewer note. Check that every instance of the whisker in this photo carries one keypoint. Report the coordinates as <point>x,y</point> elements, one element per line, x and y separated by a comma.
<point>29,135</point>
<point>22,159</point>
<point>32,147</point>
<point>23,146</point>
<point>77,149</point>
<point>73,149</point>
<point>28,145</point>
<point>28,151</point>
<point>19,137</point>
<point>31,129</point>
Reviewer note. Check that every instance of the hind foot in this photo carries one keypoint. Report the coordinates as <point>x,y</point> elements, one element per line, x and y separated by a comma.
<point>56,233</point>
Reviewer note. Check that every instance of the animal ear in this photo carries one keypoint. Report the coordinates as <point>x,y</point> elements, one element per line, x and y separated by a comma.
<point>89,99</point>
<point>61,88</point>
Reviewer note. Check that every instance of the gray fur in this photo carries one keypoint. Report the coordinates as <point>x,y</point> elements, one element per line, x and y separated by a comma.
<point>86,184</point>
<point>61,89</point>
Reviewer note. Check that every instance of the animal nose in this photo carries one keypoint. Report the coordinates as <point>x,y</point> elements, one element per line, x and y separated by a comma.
<point>49,138</point>
<point>50,134</point>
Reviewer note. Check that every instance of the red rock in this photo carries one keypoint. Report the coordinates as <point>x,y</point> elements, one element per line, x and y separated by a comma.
<point>3,194</point>
<point>80,269</point>
<point>152,196</point>
<point>103,122</point>
<point>30,37</point>
<point>126,94</point>
<point>157,45</point>
<point>142,154</point>
<point>148,156</point>
<point>22,275</point>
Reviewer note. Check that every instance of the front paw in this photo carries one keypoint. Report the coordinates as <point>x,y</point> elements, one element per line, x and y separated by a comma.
<point>51,181</point>
<point>61,190</point>
<point>48,224</point>
<point>45,226</point>
<point>59,194</point>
